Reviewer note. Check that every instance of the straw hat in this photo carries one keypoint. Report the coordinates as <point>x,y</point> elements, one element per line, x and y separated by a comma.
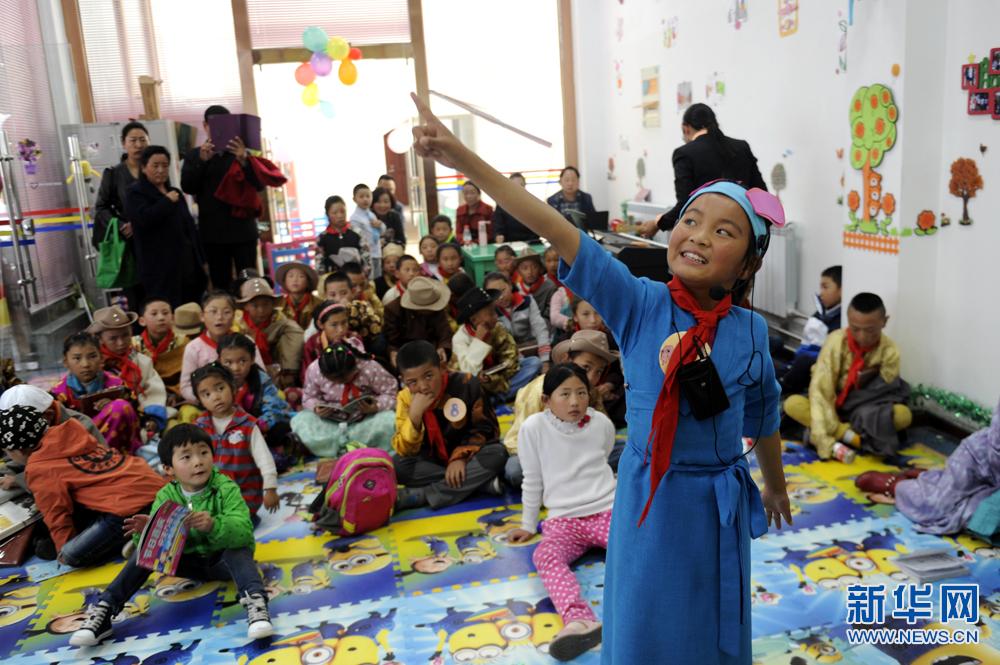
<point>187,319</point>
<point>393,249</point>
<point>111,318</point>
<point>593,341</point>
<point>310,272</point>
<point>256,287</point>
<point>473,301</point>
<point>425,294</point>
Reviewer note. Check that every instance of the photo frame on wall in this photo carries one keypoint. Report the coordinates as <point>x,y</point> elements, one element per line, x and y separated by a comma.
<point>996,104</point>
<point>970,77</point>
<point>979,102</point>
<point>995,60</point>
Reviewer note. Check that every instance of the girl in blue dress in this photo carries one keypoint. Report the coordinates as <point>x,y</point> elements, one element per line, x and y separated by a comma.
<point>678,563</point>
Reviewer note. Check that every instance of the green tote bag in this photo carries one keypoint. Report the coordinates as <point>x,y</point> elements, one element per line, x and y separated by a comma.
<point>115,263</point>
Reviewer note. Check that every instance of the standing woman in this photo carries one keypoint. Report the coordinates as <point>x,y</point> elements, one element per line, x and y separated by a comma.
<point>172,262</point>
<point>115,182</point>
<point>473,211</point>
<point>384,207</point>
<point>707,155</point>
<point>570,196</point>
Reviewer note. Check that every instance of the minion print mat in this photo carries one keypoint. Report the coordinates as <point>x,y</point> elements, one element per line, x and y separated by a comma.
<point>447,588</point>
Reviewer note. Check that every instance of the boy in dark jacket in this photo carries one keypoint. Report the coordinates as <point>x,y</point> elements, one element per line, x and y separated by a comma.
<point>219,544</point>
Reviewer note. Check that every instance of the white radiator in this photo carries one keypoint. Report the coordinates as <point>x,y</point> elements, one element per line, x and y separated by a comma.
<point>777,285</point>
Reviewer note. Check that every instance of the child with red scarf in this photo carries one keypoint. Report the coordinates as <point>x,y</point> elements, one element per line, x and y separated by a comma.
<point>340,375</point>
<point>447,439</point>
<point>279,339</point>
<point>520,315</point>
<point>702,515</point>
<point>528,265</point>
<point>857,401</point>
<point>161,342</point>
<point>113,326</point>
<point>406,269</point>
<point>218,311</point>
<point>298,281</point>
<point>449,261</point>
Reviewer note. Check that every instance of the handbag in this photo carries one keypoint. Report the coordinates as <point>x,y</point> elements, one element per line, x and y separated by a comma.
<point>115,263</point>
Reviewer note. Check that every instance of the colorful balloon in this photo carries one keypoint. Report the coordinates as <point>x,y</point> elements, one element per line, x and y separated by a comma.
<point>305,74</point>
<point>400,139</point>
<point>326,108</point>
<point>337,48</point>
<point>354,53</point>
<point>314,38</point>
<point>348,73</point>
<point>321,63</point>
<point>310,95</point>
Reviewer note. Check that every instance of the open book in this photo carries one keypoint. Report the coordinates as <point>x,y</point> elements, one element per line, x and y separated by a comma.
<point>162,541</point>
<point>16,514</point>
<point>350,412</point>
<point>88,403</point>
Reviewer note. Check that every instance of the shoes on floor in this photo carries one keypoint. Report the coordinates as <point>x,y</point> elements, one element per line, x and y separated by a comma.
<point>258,618</point>
<point>410,497</point>
<point>576,638</point>
<point>96,626</point>
<point>494,487</point>
<point>45,549</point>
<point>128,549</point>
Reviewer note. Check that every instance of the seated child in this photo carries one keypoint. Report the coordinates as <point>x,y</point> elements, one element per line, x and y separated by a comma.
<point>503,259</point>
<point>856,396</point>
<point>361,318</point>
<point>219,309</point>
<point>550,257</point>
<point>362,289</point>
<point>391,254</point>
<point>449,261</point>
<point>826,319</point>
<point>113,326</point>
<point>419,314</point>
<point>482,347</point>
<point>447,438</point>
<point>117,419</point>
<point>428,251</point>
<point>160,341</point>
<point>219,543</point>
<point>83,490</point>
<point>298,281</point>
<point>588,350</point>
<point>564,452</point>
<point>406,269</point>
<point>330,320</point>
<point>533,282</point>
<point>255,392</point>
<point>441,229</point>
<point>279,339</point>
<point>341,374</point>
<point>472,211</point>
<point>520,315</point>
<point>242,453</point>
<point>340,244</point>
<point>368,226</point>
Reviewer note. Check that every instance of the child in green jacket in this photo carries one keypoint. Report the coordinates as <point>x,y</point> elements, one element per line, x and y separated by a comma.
<point>219,544</point>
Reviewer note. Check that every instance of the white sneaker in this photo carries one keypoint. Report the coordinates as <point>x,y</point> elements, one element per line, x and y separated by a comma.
<point>258,618</point>
<point>95,628</point>
<point>258,630</point>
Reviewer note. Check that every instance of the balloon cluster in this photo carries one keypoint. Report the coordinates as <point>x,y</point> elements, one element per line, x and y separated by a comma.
<point>324,51</point>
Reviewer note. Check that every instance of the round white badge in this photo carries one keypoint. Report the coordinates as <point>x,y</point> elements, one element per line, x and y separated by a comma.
<point>454,410</point>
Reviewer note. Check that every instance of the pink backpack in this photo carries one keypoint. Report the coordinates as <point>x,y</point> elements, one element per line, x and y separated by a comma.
<point>360,494</point>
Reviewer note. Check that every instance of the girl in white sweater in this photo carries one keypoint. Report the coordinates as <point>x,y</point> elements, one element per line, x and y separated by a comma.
<point>564,454</point>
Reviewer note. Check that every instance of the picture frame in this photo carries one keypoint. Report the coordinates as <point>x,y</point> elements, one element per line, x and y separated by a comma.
<point>996,103</point>
<point>979,102</point>
<point>970,77</point>
<point>994,66</point>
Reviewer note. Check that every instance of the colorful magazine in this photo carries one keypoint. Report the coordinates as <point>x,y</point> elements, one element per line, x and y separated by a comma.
<point>162,541</point>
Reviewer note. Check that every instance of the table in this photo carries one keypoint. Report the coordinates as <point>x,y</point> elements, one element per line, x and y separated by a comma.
<point>478,261</point>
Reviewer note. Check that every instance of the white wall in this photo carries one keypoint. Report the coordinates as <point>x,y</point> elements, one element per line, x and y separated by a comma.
<point>785,96</point>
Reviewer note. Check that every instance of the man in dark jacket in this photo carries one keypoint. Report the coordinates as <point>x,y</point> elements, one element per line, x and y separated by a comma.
<point>227,240</point>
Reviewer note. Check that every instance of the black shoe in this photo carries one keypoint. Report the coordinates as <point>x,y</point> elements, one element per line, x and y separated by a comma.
<point>410,497</point>
<point>45,549</point>
<point>96,627</point>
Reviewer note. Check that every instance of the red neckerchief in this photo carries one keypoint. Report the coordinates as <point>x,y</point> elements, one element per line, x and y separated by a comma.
<point>447,275</point>
<point>559,285</point>
<point>244,397</point>
<point>667,404</point>
<point>297,309</point>
<point>351,391</point>
<point>259,338</point>
<point>212,344</point>
<point>516,299</point>
<point>399,288</point>
<point>434,435</point>
<point>488,361</point>
<point>530,290</point>
<point>160,347</point>
<point>126,368</point>
<point>857,364</point>
<point>334,232</point>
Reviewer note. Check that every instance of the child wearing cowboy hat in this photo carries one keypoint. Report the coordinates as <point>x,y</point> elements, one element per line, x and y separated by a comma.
<point>298,281</point>
<point>530,268</point>
<point>482,347</point>
<point>419,314</point>
<point>278,338</point>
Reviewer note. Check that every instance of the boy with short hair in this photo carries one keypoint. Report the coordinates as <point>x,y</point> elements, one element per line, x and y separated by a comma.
<point>278,338</point>
<point>447,438</point>
<point>70,475</point>
<point>419,314</point>
<point>520,315</point>
<point>362,288</point>
<point>220,541</point>
<point>856,396</point>
<point>368,226</point>
<point>533,282</point>
<point>161,343</point>
<point>825,320</point>
<point>441,229</point>
<point>406,269</point>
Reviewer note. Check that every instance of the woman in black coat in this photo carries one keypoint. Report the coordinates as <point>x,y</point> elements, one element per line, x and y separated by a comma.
<point>384,207</point>
<point>707,155</point>
<point>171,260</point>
<point>115,182</point>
